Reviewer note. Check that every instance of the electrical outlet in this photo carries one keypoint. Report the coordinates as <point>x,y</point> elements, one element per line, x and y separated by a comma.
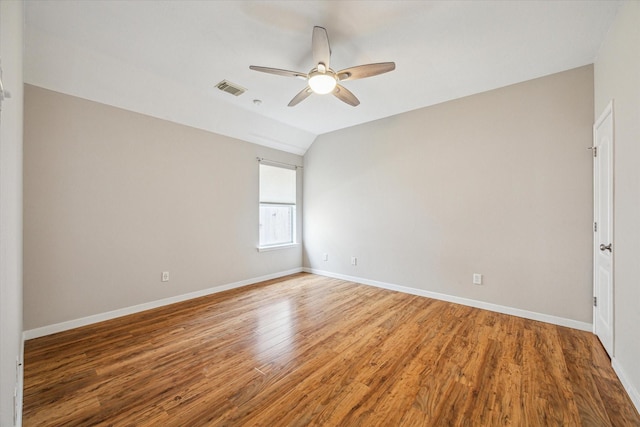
<point>354,260</point>
<point>477,279</point>
<point>325,256</point>
<point>165,276</point>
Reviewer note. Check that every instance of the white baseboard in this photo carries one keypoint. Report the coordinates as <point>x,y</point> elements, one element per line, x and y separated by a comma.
<point>561,321</point>
<point>633,393</point>
<point>71,324</point>
<point>20,389</point>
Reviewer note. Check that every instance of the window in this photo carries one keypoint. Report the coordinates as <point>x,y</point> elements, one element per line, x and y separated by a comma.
<point>277,205</point>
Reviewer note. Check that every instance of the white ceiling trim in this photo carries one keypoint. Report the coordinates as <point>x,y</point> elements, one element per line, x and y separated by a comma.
<point>87,74</point>
<point>164,58</point>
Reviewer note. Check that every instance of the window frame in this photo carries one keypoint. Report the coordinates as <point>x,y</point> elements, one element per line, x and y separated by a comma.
<point>294,211</point>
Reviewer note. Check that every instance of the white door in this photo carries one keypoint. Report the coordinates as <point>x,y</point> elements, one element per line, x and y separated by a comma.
<point>603,228</point>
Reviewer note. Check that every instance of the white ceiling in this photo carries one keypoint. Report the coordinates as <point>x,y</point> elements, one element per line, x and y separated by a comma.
<point>163,58</point>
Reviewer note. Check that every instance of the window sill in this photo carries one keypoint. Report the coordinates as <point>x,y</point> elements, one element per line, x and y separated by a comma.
<point>277,247</point>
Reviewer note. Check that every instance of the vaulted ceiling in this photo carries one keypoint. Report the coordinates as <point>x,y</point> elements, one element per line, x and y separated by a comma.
<point>164,58</point>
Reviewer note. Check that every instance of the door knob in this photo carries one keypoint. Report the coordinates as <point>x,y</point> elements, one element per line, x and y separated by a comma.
<point>605,248</point>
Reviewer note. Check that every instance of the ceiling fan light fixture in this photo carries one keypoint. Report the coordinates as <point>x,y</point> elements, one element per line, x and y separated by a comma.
<point>322,83</point>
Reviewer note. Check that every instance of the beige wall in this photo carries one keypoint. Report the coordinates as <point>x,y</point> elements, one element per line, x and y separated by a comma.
<point>497,183</point>
<point>113,198</point>
<point>617,77</point>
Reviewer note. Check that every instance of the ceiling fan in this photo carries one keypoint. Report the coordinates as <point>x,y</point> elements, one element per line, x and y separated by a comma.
<point>322,79</point>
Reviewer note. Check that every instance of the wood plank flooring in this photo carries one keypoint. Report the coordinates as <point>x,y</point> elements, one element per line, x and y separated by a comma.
<point>308,350</point>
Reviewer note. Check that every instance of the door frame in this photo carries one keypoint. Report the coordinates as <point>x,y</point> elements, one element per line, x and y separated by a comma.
<point>608,111</point>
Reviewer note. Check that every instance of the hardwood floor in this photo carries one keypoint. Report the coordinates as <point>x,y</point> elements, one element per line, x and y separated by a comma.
<point>309,350</point>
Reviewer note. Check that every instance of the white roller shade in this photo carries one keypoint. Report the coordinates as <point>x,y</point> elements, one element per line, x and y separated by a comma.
<point>277,185</point>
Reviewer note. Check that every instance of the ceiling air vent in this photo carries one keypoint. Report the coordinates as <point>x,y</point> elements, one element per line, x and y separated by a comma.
<point>232,88</point>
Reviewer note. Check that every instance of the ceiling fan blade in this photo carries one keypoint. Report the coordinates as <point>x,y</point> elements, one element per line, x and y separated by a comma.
<point>301,96</point>
<point>320,46</point>
<point>279,72</point>
<point>363,71</point>
<point>345,95</point>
